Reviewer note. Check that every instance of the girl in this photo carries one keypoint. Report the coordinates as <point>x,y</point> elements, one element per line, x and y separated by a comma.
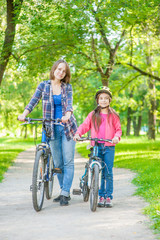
<point>56,95</point>
<point>104,123</point>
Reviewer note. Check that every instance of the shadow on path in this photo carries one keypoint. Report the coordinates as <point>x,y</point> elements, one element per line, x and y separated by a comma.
<point>19,221</point>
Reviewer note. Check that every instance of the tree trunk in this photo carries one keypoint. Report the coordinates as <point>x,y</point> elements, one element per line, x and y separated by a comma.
<point>137,125</point>
<point>134,125</point>
<point>151,112</point>
<point>35,131</point>
<point>25,136</point>
<point>129,112</point>
<point>13,11</point>
<point>152,105</point>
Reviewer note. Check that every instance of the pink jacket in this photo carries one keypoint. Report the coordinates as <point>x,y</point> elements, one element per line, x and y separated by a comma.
<point>113,128</point>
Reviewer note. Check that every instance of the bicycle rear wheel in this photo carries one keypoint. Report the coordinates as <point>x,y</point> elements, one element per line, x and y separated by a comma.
<point>38,181</point>
<point>94,188</point>
<point>49,183</point>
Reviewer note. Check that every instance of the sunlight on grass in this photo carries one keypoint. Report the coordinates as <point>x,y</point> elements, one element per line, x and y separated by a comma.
<point>9,149</point>
<point>143,157</point>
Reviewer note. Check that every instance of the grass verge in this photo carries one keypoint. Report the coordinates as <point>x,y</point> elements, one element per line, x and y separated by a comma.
<point>143,157</point>
<point>9,149</point>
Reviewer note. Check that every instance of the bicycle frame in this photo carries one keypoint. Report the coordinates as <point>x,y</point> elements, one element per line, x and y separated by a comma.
<point>43,169</point>
<point>44,145</point>
<point>90,181</point>
<point>94,159</point>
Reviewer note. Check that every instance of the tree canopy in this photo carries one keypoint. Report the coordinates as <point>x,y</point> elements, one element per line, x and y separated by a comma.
<point>106,42</point>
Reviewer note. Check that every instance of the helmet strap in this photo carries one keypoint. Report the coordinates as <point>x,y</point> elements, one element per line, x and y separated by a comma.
<point>104,107</point>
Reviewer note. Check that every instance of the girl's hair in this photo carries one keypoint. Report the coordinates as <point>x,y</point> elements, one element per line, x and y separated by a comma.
<point>67,77</point>
<point>96,117</point>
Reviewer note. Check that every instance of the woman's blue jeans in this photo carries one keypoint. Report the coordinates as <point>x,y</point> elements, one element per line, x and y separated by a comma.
<point>63,157</point>
<point>106,153</point>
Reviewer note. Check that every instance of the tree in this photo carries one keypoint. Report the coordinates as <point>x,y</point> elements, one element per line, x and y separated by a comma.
<point>13,11</point>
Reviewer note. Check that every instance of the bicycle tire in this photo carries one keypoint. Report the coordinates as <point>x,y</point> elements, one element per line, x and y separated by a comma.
<point>94,188</point>
<point>49,184</point>
<point>38,186</point>
<point>85,189</point>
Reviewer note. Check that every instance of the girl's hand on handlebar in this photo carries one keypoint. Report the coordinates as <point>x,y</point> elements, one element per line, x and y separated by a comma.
<point>115,140</point>
<point>76,137</point>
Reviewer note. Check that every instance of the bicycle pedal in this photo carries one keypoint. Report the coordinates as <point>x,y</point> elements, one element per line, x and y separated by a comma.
<point>77,191</point>
<point>57,170</point>
<point>31,188</point>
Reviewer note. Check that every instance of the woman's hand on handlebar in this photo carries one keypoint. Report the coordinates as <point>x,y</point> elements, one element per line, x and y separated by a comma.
<point>66,117</point>
<point>76,137</point>
<point>21,118</point>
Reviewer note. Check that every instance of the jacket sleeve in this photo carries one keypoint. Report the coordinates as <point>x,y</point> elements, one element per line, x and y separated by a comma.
<point>117,126</point>
<point>69,99</point>
<point>85,126</point>
<point>36,97</point>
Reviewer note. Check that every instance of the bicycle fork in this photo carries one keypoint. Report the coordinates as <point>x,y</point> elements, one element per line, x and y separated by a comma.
<point>90,170</point>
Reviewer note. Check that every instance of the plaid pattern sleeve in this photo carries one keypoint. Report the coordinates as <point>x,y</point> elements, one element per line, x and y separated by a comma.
<point>69,99</point>
<point>36,98</point>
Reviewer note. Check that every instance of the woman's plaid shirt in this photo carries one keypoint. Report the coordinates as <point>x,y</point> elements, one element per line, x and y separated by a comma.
<point>44,91</point>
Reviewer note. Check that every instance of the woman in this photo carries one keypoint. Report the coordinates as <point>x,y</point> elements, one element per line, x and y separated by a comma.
<point>56,95</point>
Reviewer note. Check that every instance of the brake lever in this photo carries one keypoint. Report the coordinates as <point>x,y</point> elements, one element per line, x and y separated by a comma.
<point>26,123</point>
<point>58,121</point>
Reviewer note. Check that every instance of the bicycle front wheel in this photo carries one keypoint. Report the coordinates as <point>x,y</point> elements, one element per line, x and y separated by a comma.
<point>85,189</point>
<point>94,188</point>
<point>38,181</point>
<point>49,183</point>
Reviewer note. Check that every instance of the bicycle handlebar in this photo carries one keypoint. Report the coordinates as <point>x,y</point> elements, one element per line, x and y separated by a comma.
<point>42,120</point>
<point>94,139</point>
<point>58,120</point>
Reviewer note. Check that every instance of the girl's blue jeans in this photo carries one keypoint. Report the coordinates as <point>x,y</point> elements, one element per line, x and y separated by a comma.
<point>63,157</point>
<point>106,153</point>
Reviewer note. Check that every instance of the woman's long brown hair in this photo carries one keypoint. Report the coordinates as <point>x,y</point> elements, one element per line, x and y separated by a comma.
<point>67,77</point>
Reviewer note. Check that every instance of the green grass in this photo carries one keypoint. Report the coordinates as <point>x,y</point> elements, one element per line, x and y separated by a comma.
<point>9,149</point>
<point>143,157</point>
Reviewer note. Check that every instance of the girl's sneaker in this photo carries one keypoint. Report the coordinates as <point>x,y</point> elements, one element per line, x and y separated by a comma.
<point>101,202</point>
<point>108,203</point>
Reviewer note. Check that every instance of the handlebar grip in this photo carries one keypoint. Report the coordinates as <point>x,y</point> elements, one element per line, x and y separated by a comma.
<point>59,120</point>
<point>26,119</point>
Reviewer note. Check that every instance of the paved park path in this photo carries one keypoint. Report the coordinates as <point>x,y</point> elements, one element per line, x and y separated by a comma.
<point>19,221</point>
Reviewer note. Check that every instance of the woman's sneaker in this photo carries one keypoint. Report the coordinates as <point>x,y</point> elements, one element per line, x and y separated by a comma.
<point>101,202</point>
<point>63,201</point>
<point>57,199</point>
<point>108,203</point>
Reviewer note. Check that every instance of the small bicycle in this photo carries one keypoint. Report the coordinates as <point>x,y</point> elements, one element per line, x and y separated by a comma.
<point>90,181</point>
<point>43,170</point>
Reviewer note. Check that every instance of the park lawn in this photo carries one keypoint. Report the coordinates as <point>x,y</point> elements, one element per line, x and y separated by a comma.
<point>9,149</point>
<point>142,157</point>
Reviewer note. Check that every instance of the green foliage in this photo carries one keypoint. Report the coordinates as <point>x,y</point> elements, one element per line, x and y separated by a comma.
<point>57,29</point>
<point>143,157</point>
